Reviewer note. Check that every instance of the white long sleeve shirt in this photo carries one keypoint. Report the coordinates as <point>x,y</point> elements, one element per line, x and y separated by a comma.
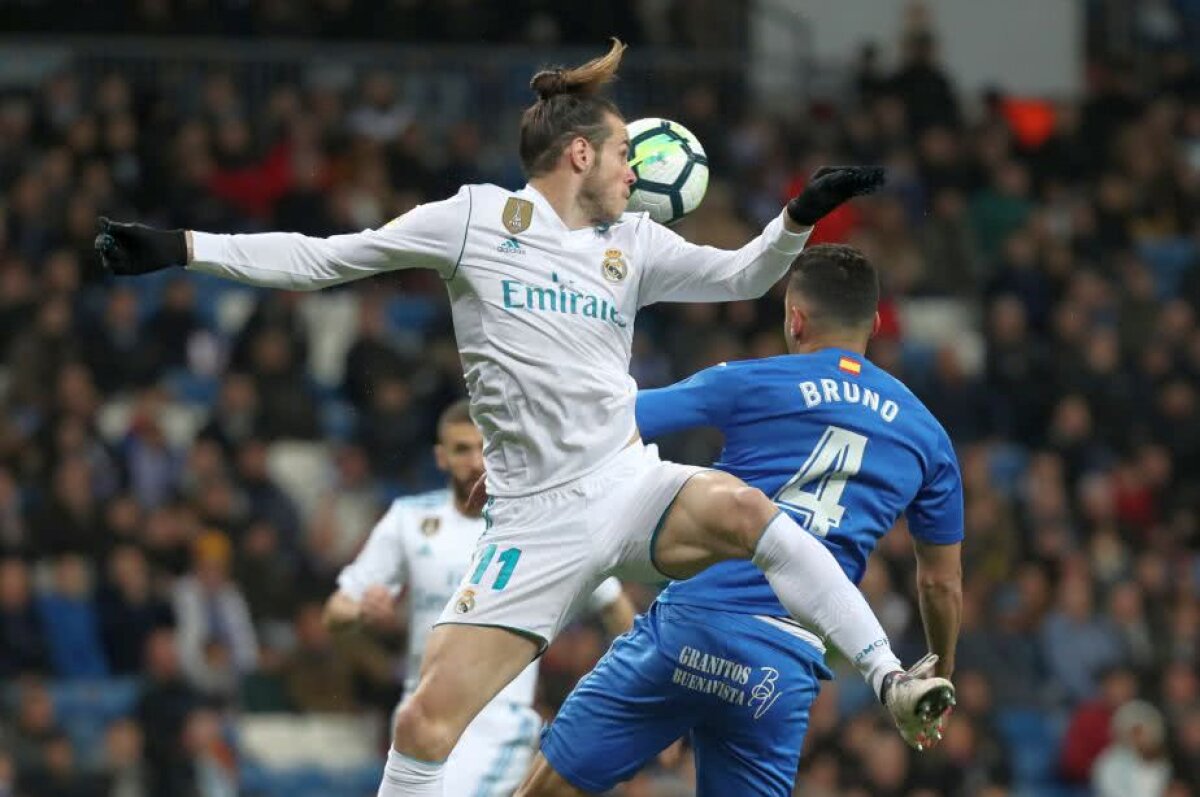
<point>543,314</point>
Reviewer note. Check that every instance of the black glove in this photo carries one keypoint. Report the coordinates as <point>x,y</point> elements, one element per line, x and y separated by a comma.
<point>830,187</point>
<point>137,249</point>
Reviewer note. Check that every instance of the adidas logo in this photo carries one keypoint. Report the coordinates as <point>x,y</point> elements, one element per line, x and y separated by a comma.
<point>511,246</point>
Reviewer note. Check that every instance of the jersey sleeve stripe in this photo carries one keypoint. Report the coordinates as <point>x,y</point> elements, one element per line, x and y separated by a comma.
<point>466,231</point>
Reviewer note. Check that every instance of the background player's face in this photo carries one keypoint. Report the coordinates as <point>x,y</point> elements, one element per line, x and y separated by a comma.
<point>606,185</point>
<point>459,454</point>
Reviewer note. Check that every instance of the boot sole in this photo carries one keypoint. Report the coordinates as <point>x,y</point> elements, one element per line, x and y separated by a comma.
<point>935,702</point>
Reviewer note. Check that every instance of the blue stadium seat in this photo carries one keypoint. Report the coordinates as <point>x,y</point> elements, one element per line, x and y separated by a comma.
<point>1006,465</point>
<point>1169,259</point>
<point>1032,737</point>
<point>410,313</point>
<point>854,694</point>
<point>105,700</point>
<point>338,419</point>
<point>192,388</point>
<point>209,290</point>
<point>918,358</point>
<point>87,708</point>
<point>308,781</point>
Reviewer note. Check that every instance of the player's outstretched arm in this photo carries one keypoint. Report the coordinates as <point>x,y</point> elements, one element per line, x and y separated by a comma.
<point>428,236</point>
<point>939,593</point>
<point>678,271</point>
<point>703,399</point>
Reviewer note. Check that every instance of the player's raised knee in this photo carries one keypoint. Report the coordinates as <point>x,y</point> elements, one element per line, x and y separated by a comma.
<point>746,511</point>
<point>419,733</point>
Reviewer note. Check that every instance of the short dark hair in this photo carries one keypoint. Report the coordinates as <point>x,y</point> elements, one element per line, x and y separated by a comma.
<point>458,412</point>
<point>839,282</point>
<point>568,105</point>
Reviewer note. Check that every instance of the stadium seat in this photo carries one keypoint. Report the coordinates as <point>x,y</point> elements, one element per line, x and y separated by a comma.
<point>918,358</point>
<point>180,422</point>
<point>936,323</point>
<point>410,313</point>
<point>232,310</point>
<point>332,328</point>
<point>87,708</point>
<point>1169,259</point>
<point>292,742</point>
<point>1032,737</point>
<point>301,469</point>
<point>193,388</point>
<point>1006,464</point>
<point>338,419</point>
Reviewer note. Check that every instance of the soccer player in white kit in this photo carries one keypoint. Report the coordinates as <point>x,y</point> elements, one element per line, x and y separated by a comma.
<point>424,542</point>
<point>544,284</point>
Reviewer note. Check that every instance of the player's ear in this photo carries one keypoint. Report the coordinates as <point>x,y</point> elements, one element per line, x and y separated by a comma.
<point>876,324</point>
<point>580,153</point>
<point>796,321</point>
<point>439,457</point>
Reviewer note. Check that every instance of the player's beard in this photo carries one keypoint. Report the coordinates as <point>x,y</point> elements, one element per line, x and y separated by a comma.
<point>592,198</point>
<point>462,487</point>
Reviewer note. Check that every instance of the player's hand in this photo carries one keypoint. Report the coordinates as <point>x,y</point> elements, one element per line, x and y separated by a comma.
<point>478,497</point>
<point>830,187</point>
<point>378,607</point>
<point>127,249</point>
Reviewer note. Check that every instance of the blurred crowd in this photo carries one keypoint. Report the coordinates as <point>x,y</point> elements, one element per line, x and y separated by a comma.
<point>158,537</point>
<point>660,22</point>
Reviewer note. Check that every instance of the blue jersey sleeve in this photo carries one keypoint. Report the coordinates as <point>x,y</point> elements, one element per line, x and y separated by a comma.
<point>705,399</point>
<point>936,513</point>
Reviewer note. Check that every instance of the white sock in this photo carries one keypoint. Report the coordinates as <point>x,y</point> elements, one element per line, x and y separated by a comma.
<point>408,777</point>
<point>811,585</point>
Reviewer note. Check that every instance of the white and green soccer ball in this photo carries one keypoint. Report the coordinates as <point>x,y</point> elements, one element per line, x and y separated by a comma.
<point>671,169</point>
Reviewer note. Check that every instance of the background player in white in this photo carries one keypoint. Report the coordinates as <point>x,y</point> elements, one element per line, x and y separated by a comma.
<point>544,285</point>
<point>424,542</point>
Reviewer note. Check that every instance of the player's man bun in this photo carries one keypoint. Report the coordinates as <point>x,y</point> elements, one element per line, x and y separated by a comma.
<point>569,104</point>
<point>584,80</point>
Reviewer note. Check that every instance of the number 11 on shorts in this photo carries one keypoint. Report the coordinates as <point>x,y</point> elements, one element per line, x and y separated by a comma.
<point>508,563</point>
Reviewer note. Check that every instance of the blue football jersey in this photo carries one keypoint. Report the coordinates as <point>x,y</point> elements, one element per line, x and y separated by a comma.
<point>838,443</point>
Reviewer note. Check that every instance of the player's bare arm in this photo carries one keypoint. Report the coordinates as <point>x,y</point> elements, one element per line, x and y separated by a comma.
<point>617,617</point>
<point>939,590</point>
<point>342,612</point>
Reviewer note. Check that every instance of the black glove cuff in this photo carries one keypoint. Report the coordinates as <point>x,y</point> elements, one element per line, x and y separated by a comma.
<point>803,213</point>
<point>172,247</point>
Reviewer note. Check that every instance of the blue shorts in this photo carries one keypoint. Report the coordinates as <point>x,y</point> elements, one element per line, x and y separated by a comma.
<point>739,686</point>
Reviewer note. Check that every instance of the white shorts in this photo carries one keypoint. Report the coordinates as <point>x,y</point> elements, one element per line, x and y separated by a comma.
<point>543,554</point>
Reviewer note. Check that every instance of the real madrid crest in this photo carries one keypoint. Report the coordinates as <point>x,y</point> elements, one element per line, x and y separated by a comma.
<point>517,215</point>
<point>430,525</point>
<point>614,266</point>
<point>465,602</point>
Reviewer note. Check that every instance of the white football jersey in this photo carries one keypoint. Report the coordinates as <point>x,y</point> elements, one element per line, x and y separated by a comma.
<point>424,543</point>
<point>543,314</point>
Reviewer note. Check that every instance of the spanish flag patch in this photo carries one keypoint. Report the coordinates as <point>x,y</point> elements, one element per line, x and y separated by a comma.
<point>850,366</point>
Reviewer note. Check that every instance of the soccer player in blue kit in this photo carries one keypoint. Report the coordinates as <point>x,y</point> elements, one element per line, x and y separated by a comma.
<point>844,448</point>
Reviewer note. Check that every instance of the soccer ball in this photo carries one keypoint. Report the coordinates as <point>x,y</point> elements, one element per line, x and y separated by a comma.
<point>671,169</point>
